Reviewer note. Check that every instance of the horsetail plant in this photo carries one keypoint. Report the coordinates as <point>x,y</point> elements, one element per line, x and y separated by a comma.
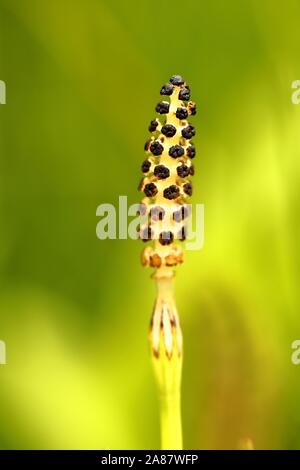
<point>166,186</point>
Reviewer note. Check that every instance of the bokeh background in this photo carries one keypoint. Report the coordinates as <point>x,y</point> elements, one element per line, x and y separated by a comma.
<point>83,78</point>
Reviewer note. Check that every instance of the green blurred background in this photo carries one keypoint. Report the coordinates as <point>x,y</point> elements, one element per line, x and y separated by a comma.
<point>82,79</point>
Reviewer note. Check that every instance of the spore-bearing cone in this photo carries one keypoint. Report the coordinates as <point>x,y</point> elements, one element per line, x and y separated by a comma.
<point>167,173</point>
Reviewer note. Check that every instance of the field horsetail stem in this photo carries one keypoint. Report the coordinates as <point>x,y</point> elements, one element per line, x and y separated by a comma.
<point>166,186</point>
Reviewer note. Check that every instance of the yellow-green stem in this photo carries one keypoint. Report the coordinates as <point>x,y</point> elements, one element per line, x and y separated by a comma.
<point>171,429</point>
<point>166,344</point>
